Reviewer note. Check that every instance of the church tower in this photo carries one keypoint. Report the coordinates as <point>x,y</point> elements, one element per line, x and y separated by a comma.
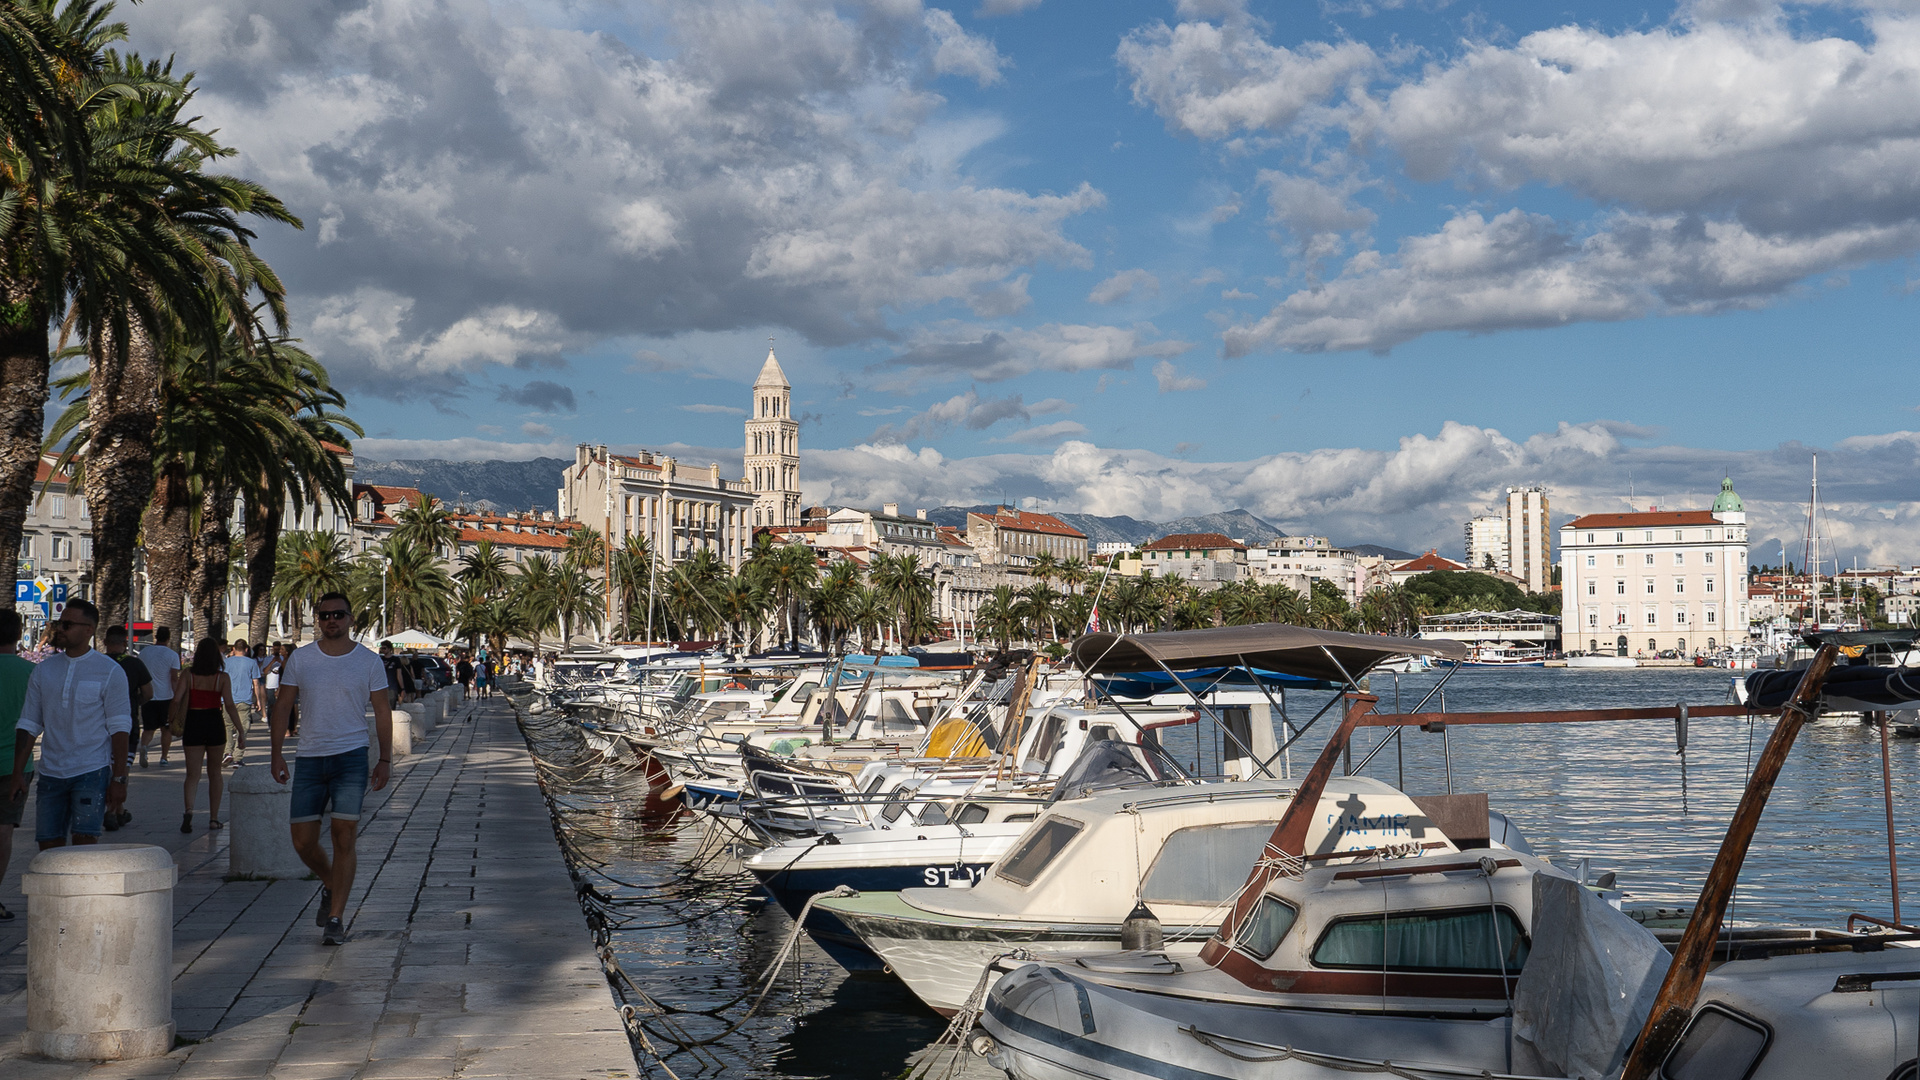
<point>773,448</point>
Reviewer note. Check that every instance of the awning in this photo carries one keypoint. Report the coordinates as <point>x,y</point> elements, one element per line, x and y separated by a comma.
<point>1857,685</point>
<point>1278,647</point>
<point>1146,684</point>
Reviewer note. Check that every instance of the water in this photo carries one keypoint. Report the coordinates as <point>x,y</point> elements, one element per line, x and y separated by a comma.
<point>1614,793</point>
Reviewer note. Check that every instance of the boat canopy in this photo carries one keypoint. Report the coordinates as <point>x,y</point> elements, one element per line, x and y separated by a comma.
<point>1289,650</point>
<point>1146,684</point>
<point>1888,687</point>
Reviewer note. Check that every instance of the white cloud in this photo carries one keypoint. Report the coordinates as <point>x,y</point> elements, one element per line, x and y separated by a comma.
<point>991,8</point>
<point>956,52</point>
<point>969,351</point>
<point>536,431</point>
<point>1212,79</point>
<point>968,410</point>
<point>1126,285</point>
<point>462,449</point>
<point>487,184</point>
<point>1237,294</point>
<point>1415,495</point>
<point>1170,379</point>
<point>1045,433</point>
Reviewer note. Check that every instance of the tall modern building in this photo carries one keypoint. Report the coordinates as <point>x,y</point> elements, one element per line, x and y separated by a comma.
<point>1529,543</point>
<point>1487,542</point>
<point>773,449</point>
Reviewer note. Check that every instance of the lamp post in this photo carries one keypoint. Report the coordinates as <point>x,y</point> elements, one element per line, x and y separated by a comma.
<point>386,566</point>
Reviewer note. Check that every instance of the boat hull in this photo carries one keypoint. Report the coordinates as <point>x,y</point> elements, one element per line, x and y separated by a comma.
<point>792,888</point>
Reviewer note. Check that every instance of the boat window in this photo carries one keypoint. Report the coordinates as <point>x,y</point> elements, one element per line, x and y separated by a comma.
<point>1102,731</point>
<point>935,814</point>
<point>971,814</point>
<point>1042,845</point>
<point>1459,940</point>
<point>895,717</point>
<point>1205,864</point>
<point>1048,740</point>
<point>1264,928</point>
<point>873,785</point>
<point>896,804</point>
<point>1020,817</point>
<point>1719,1044</point>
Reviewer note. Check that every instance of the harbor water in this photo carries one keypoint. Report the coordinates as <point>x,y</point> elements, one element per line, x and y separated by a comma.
<point>696,936</point>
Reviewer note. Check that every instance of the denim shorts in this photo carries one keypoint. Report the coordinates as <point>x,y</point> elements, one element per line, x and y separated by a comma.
<point>71,804</point>
<point>332,785</point>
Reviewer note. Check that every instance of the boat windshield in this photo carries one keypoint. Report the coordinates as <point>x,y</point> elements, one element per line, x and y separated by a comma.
<point>1261,933</point>
<point>1205,864</point>
<point>1041,846</point>
<point>1455,941</point>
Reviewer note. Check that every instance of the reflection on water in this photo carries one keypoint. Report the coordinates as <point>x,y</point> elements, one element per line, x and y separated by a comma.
<point>1615,793</point>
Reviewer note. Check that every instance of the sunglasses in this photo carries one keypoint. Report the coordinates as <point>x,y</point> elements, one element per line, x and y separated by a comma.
<point>330,615</point>
<point>69,624</point>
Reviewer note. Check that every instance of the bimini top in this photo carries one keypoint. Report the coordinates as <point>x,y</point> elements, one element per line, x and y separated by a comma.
<point>1290,650</point>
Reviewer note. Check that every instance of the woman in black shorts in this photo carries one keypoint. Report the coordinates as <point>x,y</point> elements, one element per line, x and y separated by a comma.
<point>196,715</point>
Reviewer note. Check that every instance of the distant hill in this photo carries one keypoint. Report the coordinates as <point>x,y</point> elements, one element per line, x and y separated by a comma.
<point>1376,549</point>
<point>1238,524</point>
<point>494,485</point>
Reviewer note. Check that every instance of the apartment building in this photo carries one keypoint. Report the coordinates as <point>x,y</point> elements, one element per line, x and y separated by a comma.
<point>1645,581</point>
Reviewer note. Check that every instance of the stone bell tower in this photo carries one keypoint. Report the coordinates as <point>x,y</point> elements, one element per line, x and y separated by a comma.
<point>773,448</point>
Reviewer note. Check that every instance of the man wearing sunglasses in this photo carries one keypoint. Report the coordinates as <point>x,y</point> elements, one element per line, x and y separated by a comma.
<point>77,706</point>
<point>333,680</point>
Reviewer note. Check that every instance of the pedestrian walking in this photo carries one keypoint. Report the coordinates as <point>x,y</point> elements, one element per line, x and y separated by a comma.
<point>332,680</point>
<point>270,673</point>
<point>463,674</point>
<point>139,692</point>
<point>243,672</point>
<point>14,673</point>
<point>163,665</point>
<point>480,677</point>
<point>77,707</point>
<point>206,693</point>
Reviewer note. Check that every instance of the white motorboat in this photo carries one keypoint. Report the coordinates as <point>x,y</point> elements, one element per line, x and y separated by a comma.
<point>1602,660</point>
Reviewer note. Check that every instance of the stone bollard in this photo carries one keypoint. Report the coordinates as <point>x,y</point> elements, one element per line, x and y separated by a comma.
<point>258,842</point>
<point>100,952</point>
<point>406,719</point>
<point>429,714</point>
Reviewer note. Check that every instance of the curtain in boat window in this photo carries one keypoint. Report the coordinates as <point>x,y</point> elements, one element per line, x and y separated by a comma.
<point>1426,941</point>
<point>1205,864</point>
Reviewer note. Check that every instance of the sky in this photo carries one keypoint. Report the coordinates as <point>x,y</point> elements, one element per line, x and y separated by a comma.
<point>1354,265</point>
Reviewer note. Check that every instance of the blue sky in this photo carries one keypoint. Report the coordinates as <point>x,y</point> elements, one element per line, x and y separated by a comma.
<point>1355,265</point>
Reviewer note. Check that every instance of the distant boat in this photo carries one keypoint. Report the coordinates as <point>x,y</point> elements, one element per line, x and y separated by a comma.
<point>1495,655</point>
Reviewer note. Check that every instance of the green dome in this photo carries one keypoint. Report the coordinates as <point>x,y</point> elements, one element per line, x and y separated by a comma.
<point>1728,502</point>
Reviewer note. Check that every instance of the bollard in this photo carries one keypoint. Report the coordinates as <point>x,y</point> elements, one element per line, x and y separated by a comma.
<point>258,842</point>
<point>429,714</point>
<point>100,952</point>
<point>406,719</point>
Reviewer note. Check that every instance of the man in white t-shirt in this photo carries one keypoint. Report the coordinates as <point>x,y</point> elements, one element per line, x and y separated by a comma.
<point>164,665</point>
<point>243,673</point>
<point>333,680</point>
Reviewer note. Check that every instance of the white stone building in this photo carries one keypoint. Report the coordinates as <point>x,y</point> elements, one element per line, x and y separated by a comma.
<point>773,448</point>
<point>1299,561</point>
<point>1642,582</point>
<point>678,510</point>
<point>1486,547</point>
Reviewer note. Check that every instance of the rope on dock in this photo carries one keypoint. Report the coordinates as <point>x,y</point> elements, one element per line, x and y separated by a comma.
<point>582,787</point>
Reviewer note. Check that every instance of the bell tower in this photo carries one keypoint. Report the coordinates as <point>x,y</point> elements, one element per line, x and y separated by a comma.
<point>773,448</point>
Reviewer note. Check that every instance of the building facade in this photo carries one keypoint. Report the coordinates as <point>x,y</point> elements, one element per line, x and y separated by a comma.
<point>678,510</point>
<point>1195,557</point>
<point>1529,539</point>
<point>773,449</point>
<point>1647,581</point>
<point>1010,537</point>
<point>1299,561</point>
<point>1486,547</point>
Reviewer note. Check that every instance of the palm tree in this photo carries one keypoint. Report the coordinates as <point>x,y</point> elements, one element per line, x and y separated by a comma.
<point>486,568</point>
<point>536,594</point>
<point>577,600</point>
<point>1046,567</point>
<point>1073,573</point>
<point>787,573</point>
<point>496,620</point>
<point>633,576</point>
<point>1129,604</point>
<point>1037,607</point>
<point>999,617</point>
<point>833,604</point>
<point>688,602</point>
<point>308,564</point>
<point>426,523</point>
<point>742,602</point>
<point>870,613</point>
<point>417,591</point>
<point>586,548</point>
<point>905,587</point>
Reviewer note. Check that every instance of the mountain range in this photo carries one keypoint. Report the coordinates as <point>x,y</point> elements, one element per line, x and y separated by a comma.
<point>533,485</point>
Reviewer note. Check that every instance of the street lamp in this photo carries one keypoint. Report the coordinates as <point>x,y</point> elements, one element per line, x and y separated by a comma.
<point>386,566</point>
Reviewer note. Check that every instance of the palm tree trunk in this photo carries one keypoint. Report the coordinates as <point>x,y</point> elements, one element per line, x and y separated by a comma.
<point>263,552</point>
<point>213,561</point>
<point>167,527</point>
<point>23,371</point>
<point>123,409</point>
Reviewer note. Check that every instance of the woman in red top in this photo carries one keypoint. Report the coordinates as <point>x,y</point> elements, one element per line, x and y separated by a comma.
<point>196,715</point>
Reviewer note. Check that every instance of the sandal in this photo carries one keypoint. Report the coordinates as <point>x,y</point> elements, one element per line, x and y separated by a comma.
<point>4,913</point>
<point>213,824</point>
<point>186,822</point>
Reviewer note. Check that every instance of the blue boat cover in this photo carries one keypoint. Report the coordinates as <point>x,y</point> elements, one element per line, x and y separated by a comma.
<point>1145,684</point>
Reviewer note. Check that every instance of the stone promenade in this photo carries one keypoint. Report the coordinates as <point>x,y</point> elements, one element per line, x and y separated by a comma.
<point>467,956</point>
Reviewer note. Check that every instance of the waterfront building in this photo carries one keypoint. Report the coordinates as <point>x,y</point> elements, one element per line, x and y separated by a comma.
<point>678,510</point>
<point>773,449</point>
<point>1486,547</point>
<point>1299,561</point>
<point>885,531</point>
<point>1402,572</point>
<point>1529,538</point>
<point>1108,548</point>
<point>1009,537</point>
<point>1645,581</point>
<point>1196,557</point>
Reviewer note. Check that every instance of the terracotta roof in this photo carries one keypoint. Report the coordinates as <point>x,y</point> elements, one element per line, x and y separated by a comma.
<point>1644,519</point>
<point>334,448</point>
<point>44,470</point>
<point>632,462</point>
<point>1022,521</point>
<point>1427,563</point>
<point>503,538</point>
<point>483,520</point>
<point>1195,542</point>
<point>952,536</point>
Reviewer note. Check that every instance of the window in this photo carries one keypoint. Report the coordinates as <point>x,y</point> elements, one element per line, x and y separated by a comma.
<point>1679,558</point>
<point>1205,864</point>
<point>1619,588</point>
<point>1710,533</point>
<point>1680,616</point>
<point>1649,558</point>
<point>1709,558</point>
<point>1589,538</point>
<point>1649,584</point>
<point>26,547</point>
<point>1262,931</point>
<point>1679,535</point>
<point>1709,585</point>
<point>1619,538</point>
<point>1720,1044</point>
<point>1593,619</point>
<point>1652,645</point>
<point>1711,613</point>
<point>1589,560</point>
<point>1593,588</point>
<point>1619,560</point>
<point>1649,536</point>
<point>1041,846</point>
<point>62,549</point>
<point>1679,585</point>
<point>1479,940</point>
<point>59,505</point>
